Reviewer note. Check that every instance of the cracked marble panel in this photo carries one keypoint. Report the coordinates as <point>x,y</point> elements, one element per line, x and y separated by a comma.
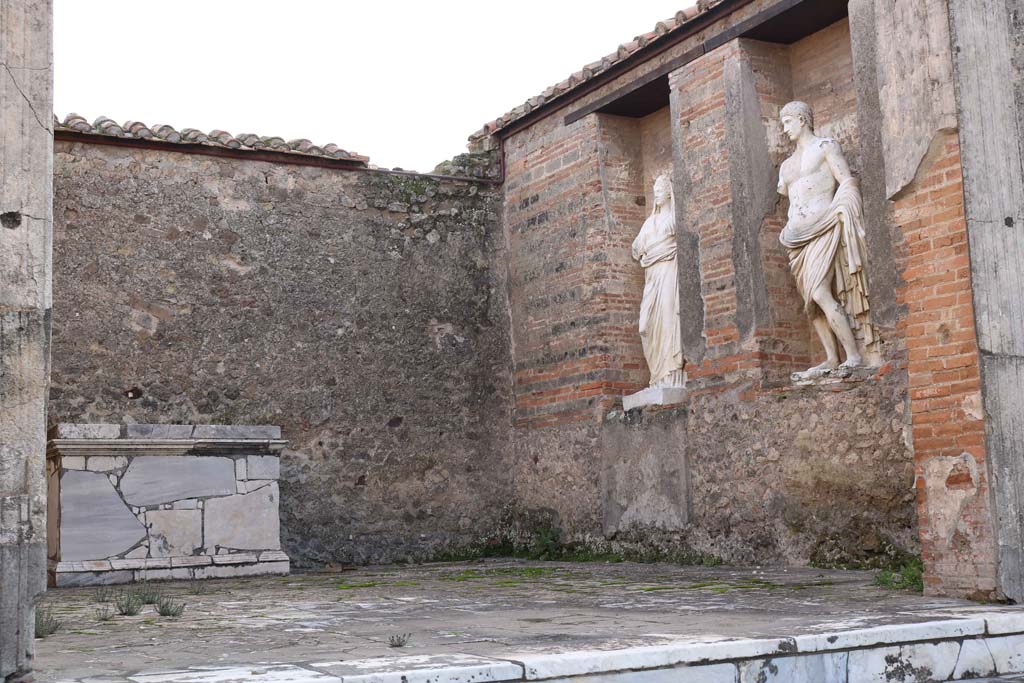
<point>94,522</point>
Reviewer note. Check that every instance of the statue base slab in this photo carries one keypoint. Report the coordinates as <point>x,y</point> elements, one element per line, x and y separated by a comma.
<point>654,396</point>
<point>836,376</point>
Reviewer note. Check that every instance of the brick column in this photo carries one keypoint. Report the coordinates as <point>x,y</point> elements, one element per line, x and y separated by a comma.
<point>909,45</point>
<point>724,104</point>
<point>957,541</point>
<point>26,207</point>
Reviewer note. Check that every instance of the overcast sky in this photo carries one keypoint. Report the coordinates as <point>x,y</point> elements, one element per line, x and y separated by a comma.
<point>402,81</point>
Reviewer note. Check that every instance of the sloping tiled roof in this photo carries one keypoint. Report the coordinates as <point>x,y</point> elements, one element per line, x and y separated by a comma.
<point>190,136</point>
<point>662,29</point>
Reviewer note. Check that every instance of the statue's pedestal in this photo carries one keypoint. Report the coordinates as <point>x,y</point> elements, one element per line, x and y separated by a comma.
<point>654,396</point>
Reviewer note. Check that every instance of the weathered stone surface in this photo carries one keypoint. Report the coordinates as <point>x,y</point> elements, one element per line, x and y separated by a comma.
<point>84,566</point>
<point>277,673</point>
<point>915,82</point>
<point>95,522</point>
<point>294,335</point>
<point>974,660</point>
<point>654,396</point>
<point>65,430</point>
<point>248,521</point>
<point>236,432</point>
<point>174,532</point>
<point>696,612</point>
<point>711,673</point>
<point>423,669</point>
<point>1007,653</point>
<point>826,668</point>
<point>158,431</point>
<point>645,477</point>
<point>105,463</point>
<point>194,561</point>
<point>72,462</point>
<point>152,479</point>
<point>235,558</point>
<point>263,467</point>
<point>162,574</point>
<point>233,570</point>
<point>76,579</point>
<point>925,661</point>
<point>738,473</point>
<point>988,59</point>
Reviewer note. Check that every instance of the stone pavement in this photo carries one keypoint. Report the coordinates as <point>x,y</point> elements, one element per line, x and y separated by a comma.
<point>500,609</point>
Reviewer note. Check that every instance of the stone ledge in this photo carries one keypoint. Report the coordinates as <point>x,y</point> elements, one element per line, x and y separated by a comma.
<point>68,430</point>
<point>77,574</point>
<point>423,669</point>
<point>95,447</point>
<point>235,558</point>
<point>840,375</point>
<point>654,396</point>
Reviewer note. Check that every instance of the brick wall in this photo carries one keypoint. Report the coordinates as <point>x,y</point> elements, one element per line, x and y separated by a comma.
<point>575,197</point>
<point>945,387</point>
<point>822,68</point>
<point>554,207</point>
<point>575,201</point>
<point>700,122</point>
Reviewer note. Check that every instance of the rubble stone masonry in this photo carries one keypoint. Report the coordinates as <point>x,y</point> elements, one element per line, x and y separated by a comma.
<point>362,312</point>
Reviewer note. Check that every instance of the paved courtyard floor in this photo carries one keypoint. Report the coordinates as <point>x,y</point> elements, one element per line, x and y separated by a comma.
<point>492,608</point>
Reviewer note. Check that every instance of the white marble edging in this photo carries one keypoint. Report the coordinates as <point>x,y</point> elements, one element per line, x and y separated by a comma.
<point>451,668</point>
<point>582,663</point>
<point>893,633</point>
<point>916,641</point>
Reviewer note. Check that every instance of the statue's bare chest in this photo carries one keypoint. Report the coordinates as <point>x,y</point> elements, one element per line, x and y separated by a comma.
<point>805,164</point>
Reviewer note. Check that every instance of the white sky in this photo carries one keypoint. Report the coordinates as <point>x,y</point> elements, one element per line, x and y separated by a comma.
<point>402,81</point>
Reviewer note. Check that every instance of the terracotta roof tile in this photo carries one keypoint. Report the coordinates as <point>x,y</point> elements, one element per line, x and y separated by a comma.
<point>215,138</point>
<point>661,29</point>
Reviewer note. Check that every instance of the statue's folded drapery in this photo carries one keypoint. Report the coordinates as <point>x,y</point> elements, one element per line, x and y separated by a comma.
<point>660,330</point>
<point>835,246</point>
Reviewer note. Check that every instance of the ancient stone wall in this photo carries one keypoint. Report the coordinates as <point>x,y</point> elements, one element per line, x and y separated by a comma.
<point>361,311</point>
<point>752,469</point>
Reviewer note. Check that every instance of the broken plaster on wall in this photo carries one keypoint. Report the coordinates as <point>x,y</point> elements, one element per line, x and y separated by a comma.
<point>951,483</point>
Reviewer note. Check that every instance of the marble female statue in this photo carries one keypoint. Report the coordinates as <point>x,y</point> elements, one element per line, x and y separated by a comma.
<point>655,249</point>
<point>824,237</point>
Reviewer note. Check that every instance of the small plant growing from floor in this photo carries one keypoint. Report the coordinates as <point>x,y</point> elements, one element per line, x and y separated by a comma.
<point>399,640</point>
<point>46,623</point>
<point>128,604</point>
<point>103,594</point>
<point>104,613</point>
<point>149,595</point>
<point>908,575</point>
<point>197,586</point>
<point>167,607</point>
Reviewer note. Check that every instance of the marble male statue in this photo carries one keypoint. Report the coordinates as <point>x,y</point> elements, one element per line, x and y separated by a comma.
<point>825,240</point>
<point>655,249</point>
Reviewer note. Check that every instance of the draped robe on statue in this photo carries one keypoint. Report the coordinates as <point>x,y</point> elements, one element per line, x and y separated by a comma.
<point>835,246</point>
<point>655,248</point>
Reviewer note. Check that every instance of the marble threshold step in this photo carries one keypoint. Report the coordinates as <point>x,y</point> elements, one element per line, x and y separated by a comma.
<point>986,645</point>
